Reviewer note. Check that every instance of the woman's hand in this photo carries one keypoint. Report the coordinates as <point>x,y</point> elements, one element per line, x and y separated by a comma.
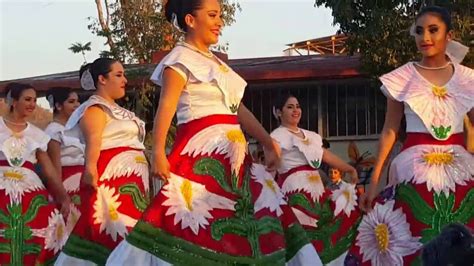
<point>160,166</point>
<point>65,207</point>
<point>366,200</point>
<point>91,176</point>
<point>272,156</point>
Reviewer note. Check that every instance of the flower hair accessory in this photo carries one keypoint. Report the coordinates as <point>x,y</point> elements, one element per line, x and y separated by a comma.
<point>9,98</point>
<point>174,22</point>
<point>454,50</point>
<point>50,99</point>
<point>87,82</point>
<point>275,114</point>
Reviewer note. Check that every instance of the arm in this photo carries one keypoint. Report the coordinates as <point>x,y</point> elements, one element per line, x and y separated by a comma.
<point>54,152</point>
<point>92,126</point>
<point>55,186</point>
<point>251,125</point>
<point>335,162</point>
<point>471,116</point>
<point>388,136</point>
<point>173,85</point>
<point>469,131</point>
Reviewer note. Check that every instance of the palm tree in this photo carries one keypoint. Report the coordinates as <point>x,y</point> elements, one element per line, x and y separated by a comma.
<point>80,48</point>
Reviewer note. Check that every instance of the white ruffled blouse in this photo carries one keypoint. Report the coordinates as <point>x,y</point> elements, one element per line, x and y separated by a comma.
<point>17,148</point>
<point>297,151</point>
<point>122,129</point>
<point>437,110</point>
<point>72,150</point>
<point>210,88</point>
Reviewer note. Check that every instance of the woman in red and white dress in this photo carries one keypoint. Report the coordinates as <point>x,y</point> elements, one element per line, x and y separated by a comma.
<point>329,215</point>
<point>32,230</point>
<point>431,180</point>
<point>66,152</point>
<point>116,170</point>
<point>215,208</point>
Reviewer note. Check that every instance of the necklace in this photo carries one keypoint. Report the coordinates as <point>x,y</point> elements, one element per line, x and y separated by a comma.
<point>294,131</point>
<point>208,54</point>
<point>434,68</point>
<point>15,123</point>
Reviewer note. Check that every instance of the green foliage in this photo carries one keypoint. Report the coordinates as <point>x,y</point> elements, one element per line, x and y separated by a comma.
<point>379,30</point>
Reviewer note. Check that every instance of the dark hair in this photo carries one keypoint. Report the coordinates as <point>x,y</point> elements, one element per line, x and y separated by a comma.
<point>59,94</point>
<point>453,246</point>
<point>181,8</point>
<point>100,66</point>
<point>326,144</point>
<point>15,89</point>
<point>438,11</point>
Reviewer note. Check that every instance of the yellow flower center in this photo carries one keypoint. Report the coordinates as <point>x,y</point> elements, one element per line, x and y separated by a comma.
<point>439,91</point>
<point>438,158</point>
<point>13,175</point>
<point>59,231</point>
<point>347,195</point>
<point>314,178</point>
<point>236,136</point>
<point>113,213</point>
<point>381,234</point>
<point>187,192</point>
<point>223,68</point>
<point>270,184</point>
<point>141,159</point>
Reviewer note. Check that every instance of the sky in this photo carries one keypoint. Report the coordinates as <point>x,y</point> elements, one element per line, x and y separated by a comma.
<point>35,34</point>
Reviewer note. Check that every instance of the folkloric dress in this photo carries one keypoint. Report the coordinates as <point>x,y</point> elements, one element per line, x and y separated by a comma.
<point>109,212</point>
<point>215,209</point>
<point>329,215</point>
<point>31,228</point>
<point>72,166</point>
<point>431,181</point>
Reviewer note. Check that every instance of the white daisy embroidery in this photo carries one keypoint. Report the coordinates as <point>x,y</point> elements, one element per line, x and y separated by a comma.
<point>72,218</point>
<point>384,236</point>
<point>441,167</point>
<point>73,183</point>
<point>345,198</point>
<point>271,196</point>
<point>305,219</point>
<point>17,181</point>
<point>227,139</point>
<point>191,203</point>
<point>56,233</point>
<point>127,163</point>
<point>107,215</point>
<point>307,181</point>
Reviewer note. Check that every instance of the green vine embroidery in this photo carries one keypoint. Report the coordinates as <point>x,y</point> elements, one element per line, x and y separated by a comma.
<point>139,200</point>
<point>244,223</point>
<point>441,132</point>
<point>443,212</point>
<point>327,225</point>
<point>17,232</point>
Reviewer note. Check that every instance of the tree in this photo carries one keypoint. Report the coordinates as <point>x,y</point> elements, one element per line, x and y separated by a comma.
<point>80,48</point>
<point>379,30</point>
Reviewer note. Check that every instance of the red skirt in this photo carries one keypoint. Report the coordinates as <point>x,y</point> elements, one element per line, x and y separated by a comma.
<point>206,213</point>
<point>110,211</point>
<point>330,233</point>
<point>25,216</point>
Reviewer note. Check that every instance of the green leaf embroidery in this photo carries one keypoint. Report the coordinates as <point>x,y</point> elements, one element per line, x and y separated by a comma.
<point>139,200</point>
<point>212,167</point>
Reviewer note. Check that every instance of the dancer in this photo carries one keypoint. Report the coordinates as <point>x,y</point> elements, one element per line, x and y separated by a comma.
<point>329,214</point>
<point>116,170</point>
<point>31,228</point>
<point>66,151</point>
<point>431,180</point>
<point>215,209</point>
